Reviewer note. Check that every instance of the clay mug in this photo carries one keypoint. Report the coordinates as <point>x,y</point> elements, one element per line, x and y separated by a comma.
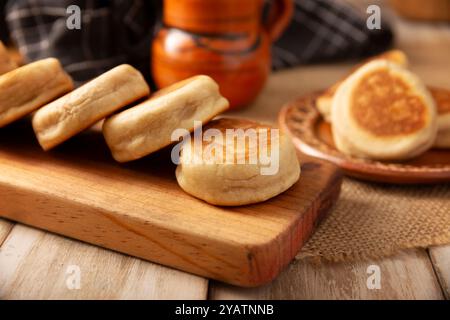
<point>225,39</point>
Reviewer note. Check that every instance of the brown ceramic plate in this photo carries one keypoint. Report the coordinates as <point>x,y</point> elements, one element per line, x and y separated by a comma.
<point>312,136</point>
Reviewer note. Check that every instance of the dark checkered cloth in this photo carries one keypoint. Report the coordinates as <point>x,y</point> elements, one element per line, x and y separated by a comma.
<point>112,32</point>
<point>326,31</point>
<point>118,31</point>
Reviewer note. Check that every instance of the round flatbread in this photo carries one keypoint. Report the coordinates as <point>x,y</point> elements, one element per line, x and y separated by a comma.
<point>383,112</point>
<point>28,88</point>
<point>80,109</point>
<point>240,162</point>
<point>325,100</point>
<point>148,127</point>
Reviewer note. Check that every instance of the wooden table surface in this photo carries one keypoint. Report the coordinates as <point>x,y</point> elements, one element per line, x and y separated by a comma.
<point>35,264</point>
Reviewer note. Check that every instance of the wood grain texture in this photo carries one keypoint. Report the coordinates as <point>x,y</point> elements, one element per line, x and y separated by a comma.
<point>440,257</point>
<point>39,265</point>
<point>5,229</point>
<point>408,275</point>
<point>138,209</point>
<point>428,46</point>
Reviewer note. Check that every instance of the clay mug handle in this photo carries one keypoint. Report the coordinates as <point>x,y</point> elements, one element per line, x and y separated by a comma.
<point>280,16</point>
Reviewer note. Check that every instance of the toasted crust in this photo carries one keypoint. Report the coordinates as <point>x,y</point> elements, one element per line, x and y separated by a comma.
<point>80,109</point>
<point>325,100</point>
<point>383,112</point>
<point>384,104</point>
<point>238,180</point>
<point>148,127</point>
<point>28,88</point>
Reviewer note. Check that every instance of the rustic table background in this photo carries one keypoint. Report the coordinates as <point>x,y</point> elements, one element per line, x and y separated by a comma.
<point>34,263</point>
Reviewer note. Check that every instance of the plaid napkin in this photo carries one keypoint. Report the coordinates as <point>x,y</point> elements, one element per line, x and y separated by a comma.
<point>118,31</point>
<point>326,31</point>
<point>112,32</point>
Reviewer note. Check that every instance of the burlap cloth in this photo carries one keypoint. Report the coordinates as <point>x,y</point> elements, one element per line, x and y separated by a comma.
<point>372,221</point>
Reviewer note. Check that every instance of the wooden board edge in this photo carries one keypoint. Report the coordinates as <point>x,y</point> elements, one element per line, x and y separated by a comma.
<point>67,217</point>
<point>6,228</point>
<point>289,243</point>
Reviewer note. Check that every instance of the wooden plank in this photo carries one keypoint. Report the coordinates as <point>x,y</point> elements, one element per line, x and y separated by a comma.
<point>139,209</point>
<point>428,47</point>
<point>5,229</point>
<point>408,275</point>
<point>440,257</point>
<point>429,53</point>
<point>39,265</point>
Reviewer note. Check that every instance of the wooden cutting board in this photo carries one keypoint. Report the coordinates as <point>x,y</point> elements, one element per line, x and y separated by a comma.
<point>79,191</point>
